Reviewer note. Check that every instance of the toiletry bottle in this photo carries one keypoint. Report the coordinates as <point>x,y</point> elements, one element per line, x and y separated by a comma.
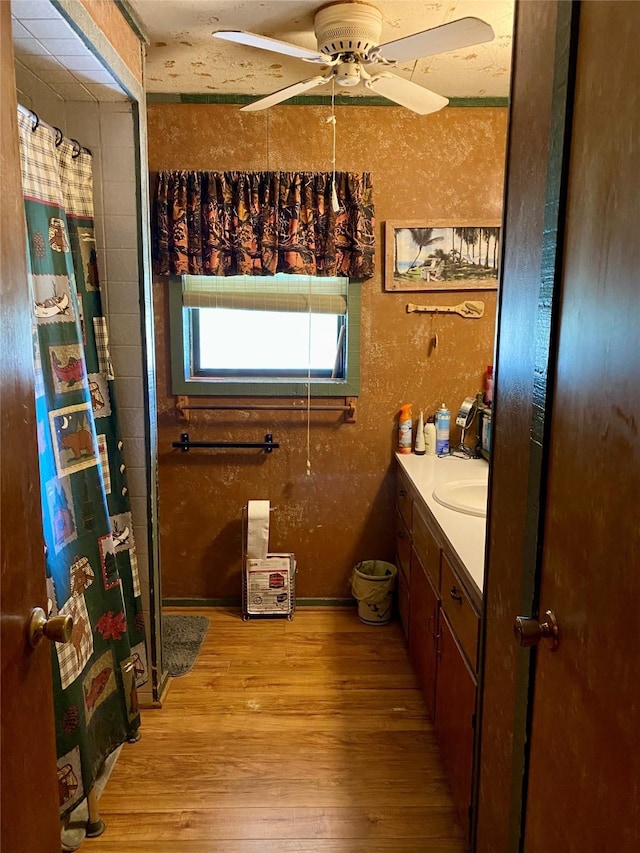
<point>488,385</point>
<point>420,448</point>
<point>443,421</point>
<point>404,429</point>
<point>430,437</point>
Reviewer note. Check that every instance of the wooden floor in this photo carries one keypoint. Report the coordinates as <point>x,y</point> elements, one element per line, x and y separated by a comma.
<point>306,736</point>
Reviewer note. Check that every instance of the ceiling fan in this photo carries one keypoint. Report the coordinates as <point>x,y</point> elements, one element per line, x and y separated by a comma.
<point>348,34</point>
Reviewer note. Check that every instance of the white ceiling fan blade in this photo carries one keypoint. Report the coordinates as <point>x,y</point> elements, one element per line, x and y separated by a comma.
<point>452,36</point>
<point>407,94</point>
<point>266,43</point>
<point>284,94</point>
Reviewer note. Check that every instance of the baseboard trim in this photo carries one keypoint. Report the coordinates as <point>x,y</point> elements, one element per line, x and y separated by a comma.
<point>236,602</point>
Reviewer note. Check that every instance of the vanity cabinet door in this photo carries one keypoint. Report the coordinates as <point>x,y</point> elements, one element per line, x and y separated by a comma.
<point>423,628</point>
<point>404,605</point>
<point>454,719</point>
<point>460,612</point>
<point>403,563</point>
<point>425,545</point>
<point>403,499</point>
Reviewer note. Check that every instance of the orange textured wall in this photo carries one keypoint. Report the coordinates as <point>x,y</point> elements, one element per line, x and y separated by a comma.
<point>112,23</point>
<point>448,165</point>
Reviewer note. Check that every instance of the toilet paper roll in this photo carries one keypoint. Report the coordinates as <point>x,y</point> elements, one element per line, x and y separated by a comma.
<point>258,529</point>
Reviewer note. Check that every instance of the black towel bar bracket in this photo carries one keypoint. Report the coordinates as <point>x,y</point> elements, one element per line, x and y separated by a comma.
<point>268,445</point>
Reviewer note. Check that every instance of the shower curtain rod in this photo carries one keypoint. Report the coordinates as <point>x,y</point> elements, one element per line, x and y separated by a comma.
<point>37,122</point>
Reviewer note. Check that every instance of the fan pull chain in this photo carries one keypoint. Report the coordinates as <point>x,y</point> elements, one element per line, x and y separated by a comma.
<point>332,120</point>
<point>309,381</point>
<point>266,125</point>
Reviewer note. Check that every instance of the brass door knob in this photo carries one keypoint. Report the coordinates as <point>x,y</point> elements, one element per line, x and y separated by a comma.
<point>57,629</point>
<point>529,632</point>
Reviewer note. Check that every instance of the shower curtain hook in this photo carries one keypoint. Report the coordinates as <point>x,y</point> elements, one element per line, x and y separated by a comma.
<point>36,121</point>
<point>59,136</point>
<point>77,148</point>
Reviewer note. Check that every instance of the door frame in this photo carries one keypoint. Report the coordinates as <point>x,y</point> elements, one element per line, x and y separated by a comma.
<point>28,750</point>
<point>90,32</point>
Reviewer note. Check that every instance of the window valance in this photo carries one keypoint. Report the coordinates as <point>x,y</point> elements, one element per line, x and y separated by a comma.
<point>262,223</point>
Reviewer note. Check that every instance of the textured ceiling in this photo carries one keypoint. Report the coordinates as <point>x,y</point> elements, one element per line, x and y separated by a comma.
<point>184,58</point>
<point>49,53</point>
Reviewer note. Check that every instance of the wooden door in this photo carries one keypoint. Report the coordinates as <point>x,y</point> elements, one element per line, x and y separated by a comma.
<point>584,773</point>
<point>557,757</point>
<point>531,214</point>
<point>29,793</point>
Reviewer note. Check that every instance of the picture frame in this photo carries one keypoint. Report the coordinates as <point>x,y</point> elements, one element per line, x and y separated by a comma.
<point>442,255</point>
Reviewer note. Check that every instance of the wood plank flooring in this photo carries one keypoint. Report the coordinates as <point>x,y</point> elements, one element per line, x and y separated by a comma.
<point>307,736</point>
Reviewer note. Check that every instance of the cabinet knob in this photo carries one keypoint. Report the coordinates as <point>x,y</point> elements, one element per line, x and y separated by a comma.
<point>528,632</point>
<point>455,594</point>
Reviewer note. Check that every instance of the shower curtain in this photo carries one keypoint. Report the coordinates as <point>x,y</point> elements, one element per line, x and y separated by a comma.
<point>90,553</point>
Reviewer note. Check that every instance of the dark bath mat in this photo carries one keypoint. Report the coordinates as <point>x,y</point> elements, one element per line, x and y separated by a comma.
<point>182,637</point>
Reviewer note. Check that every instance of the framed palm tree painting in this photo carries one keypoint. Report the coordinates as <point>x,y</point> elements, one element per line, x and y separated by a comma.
<point>441,255</point>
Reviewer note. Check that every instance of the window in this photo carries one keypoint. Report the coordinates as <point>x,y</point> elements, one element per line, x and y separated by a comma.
<point>264,336</point>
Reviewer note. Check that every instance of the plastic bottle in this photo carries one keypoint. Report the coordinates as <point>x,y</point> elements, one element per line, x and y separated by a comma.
<point>488,385</point>
<point>430,437</point>
<point>404,429</point>
<point>443,422</point>
<point>420,448</point>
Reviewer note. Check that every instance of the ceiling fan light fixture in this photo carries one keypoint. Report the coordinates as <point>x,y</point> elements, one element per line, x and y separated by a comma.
<point>348,73</point>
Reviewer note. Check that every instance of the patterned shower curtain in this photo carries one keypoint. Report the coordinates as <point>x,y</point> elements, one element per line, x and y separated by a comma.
<point>90,555</point>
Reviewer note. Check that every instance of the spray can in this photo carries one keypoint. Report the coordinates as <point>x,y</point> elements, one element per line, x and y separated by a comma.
<point>443,421</point>
<point>420,448</point>
<point>404,429</point>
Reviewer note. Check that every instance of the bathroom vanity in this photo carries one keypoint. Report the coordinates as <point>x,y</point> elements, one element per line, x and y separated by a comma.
<point>440,559</point>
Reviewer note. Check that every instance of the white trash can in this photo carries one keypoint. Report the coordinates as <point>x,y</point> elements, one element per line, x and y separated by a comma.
<point>372,585</point>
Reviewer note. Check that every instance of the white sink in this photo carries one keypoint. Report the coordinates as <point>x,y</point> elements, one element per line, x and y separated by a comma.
<point>468,496</point>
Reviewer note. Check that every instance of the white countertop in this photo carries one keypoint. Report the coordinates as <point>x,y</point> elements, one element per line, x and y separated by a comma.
<point>465,533</point>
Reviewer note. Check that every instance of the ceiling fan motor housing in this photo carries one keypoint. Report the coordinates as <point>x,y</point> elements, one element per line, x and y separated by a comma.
<point>350,27</point>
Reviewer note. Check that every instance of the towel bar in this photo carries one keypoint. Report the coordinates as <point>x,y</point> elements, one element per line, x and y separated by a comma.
<point>183,407</point>
<point>267,445</point>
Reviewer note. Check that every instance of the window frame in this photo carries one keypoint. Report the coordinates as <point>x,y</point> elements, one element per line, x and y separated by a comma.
<point>183,382</point>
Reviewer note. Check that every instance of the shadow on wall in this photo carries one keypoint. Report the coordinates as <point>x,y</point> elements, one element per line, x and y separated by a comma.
<point>220,566</point>
<point>224,558</point>
<point>367,545</point>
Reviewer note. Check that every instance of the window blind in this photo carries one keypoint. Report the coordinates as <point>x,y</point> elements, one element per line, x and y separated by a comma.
<point>281,292</point>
